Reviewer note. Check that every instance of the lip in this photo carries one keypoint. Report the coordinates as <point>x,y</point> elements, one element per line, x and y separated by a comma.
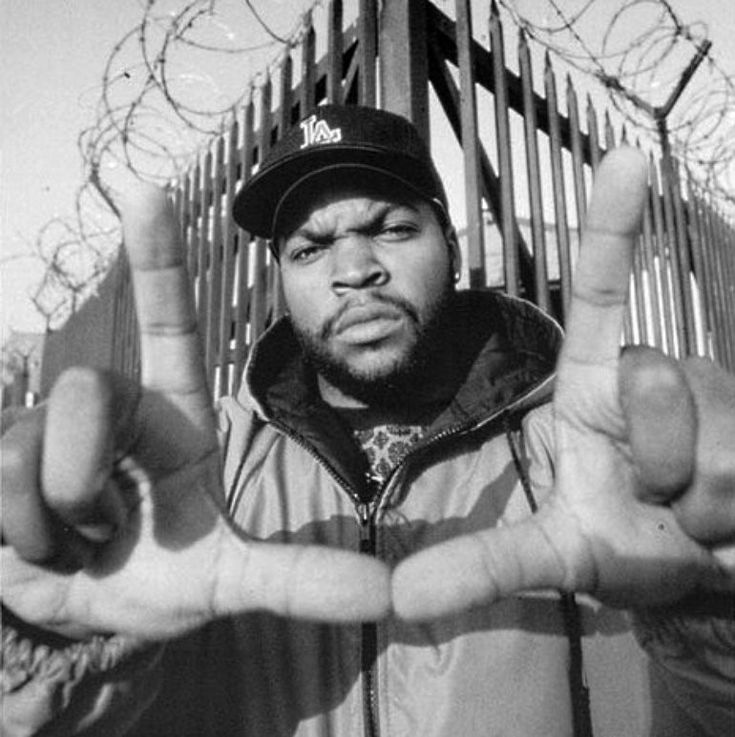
<point>368,322</point>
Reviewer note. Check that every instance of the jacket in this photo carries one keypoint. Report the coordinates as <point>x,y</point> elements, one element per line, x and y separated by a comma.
<point>293,474</point>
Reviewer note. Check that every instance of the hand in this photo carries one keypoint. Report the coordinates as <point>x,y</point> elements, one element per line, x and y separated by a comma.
<point>681,421</point>
<point>113,506</point>
<point>630,519</point>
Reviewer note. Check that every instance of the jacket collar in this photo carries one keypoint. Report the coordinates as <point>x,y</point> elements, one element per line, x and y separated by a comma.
<point>510,347</point>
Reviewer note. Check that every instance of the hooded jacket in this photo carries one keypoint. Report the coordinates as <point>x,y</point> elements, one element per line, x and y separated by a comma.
<point>294,474</point>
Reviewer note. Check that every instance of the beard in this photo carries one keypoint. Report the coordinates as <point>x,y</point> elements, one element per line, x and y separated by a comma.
<point>400,380</point>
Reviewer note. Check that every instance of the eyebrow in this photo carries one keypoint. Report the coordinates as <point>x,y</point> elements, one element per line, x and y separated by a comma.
<point>371,221</point>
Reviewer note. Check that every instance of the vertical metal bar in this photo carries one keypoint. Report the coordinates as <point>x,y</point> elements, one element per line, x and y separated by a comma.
<point>188,225</point>
<point>258,314</point>
<point>580,190</point>
<point>710,277</point>
<point>116,328</point>
<point>703,286</point>
<point>728,254</point>
<point>728,248</point>
<point>123,318</point>
<point>135,366</point>
<point>593,134</point>
<point>275,292</point>
<point>215,265</point>
<point>131,333</point>
<point>637,299</point>
<point>667,311</point>
<point>123,350</point>
<point>673,257</point>
<point>724,281</point>
<point>505,162</point>
<point>184,213</point>
<point>116,321</point>
<point>404,48</point>
<point>193,237</point>
<point>470,144</point>
<point>229,248</point>
<point>285,95</point>
<point>609,132</point>
<point>557,176</point>
<point>533,169</point>
<point>711,273</point>
<point>308,69</point>
<point>367,31</point>
<point>334,52</point>
<point>682,247</point>
<point>242,313</point>
<point>179,207</point>
<point>716,281</point>
<point>654,335</point>
<point>203,245</point>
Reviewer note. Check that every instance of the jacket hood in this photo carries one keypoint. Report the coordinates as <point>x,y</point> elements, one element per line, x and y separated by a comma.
<point>509,347</point>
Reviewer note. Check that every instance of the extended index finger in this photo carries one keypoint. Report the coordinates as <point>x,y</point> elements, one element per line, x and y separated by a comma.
<point>171,358</point>
<point>601,279</point>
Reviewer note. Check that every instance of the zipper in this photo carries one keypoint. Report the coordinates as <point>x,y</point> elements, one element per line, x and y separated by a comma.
<point>369,630</point>
<point>366,519</point>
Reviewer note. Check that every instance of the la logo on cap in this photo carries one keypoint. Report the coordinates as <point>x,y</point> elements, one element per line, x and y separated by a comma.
<point>318,131</point>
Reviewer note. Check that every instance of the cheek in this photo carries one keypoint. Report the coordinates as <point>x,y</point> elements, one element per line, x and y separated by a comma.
<point>305,301</point>
<point>424,278</point>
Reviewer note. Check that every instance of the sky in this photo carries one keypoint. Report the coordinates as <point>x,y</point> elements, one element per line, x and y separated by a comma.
<point>53,54</point>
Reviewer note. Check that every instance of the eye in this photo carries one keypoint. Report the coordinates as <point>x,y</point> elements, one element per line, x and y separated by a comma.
<point>398,231</point>
<point>307,253</point>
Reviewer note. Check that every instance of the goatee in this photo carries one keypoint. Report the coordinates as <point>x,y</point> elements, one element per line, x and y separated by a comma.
<point>407,378</point>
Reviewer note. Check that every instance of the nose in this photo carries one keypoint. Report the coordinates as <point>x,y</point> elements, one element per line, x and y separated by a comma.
<point>355,264</point>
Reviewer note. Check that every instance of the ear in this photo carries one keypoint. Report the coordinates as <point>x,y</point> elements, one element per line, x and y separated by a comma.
<point>455,253</point>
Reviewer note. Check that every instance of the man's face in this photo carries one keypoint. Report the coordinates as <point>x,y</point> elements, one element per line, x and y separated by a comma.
<point>367,278</point>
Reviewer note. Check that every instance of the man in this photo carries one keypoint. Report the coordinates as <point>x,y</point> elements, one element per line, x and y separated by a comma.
<point>390,415</point>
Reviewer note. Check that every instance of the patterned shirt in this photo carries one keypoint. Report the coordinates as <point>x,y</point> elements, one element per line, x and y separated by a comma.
<point>386,445</point>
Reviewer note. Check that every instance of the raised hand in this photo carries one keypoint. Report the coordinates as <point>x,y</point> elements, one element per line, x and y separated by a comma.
<point>630,518</point>
<point>112,493</point>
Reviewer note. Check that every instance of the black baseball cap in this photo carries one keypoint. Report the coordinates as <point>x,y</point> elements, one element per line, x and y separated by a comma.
<point>337,137</point>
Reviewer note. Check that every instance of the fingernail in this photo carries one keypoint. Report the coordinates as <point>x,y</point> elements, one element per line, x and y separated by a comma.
<point>97,533</point>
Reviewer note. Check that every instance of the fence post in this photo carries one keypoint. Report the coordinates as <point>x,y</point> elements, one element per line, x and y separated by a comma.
<point>403,47</point>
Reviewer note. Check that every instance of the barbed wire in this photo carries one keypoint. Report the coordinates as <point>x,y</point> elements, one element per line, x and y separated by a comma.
<point>167,87</point>
<point>646,68</point>
<point>164,93</point>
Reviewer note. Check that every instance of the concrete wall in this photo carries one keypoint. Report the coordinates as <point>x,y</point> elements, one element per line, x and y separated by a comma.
<point>87,338</point>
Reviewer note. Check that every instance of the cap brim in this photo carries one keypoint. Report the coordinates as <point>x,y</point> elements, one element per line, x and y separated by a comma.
<point>256,204</point>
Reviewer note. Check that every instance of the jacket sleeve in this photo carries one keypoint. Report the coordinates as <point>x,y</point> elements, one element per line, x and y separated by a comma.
<point>104,686</point>
<point>692,666</point>
<point>690,646</point>
<point>53,685</point>
<point>538,450</point>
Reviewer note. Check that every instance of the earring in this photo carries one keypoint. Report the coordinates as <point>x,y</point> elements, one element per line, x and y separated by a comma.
<point>457,276</point>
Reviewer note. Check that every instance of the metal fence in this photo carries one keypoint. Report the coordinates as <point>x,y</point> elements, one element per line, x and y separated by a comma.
<point>411,58</point>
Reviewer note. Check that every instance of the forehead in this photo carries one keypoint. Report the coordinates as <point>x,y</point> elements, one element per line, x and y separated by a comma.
<point>346,191</point>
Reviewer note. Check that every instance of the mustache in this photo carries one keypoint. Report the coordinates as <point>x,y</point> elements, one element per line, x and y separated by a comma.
<point>397,303</point>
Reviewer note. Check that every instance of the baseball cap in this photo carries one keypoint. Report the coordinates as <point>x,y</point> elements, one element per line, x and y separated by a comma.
<point>331,137</point>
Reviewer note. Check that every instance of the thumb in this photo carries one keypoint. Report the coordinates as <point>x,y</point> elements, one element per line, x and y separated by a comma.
<point>661,418</point>
<point>480,568</point>
<point>85,408</point>
<point>307,582</point>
